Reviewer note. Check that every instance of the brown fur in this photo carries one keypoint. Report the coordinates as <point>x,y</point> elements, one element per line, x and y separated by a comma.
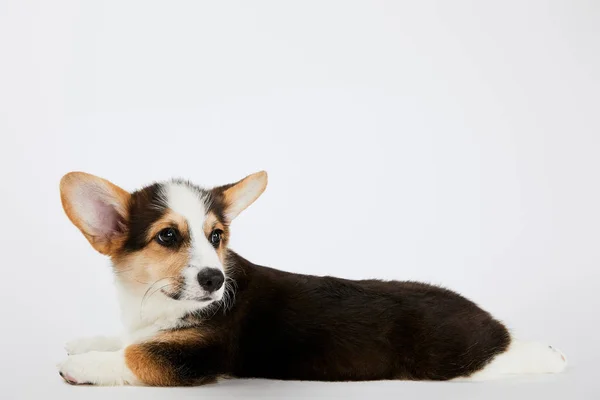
<point>151,264</point>
<point>147,368</point>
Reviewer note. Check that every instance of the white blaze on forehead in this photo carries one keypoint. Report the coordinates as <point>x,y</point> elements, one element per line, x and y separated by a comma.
<point>189,203</point>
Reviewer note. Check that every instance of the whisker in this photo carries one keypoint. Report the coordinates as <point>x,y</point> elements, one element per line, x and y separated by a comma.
<point>129,270</point>
<point>151,294</point>
<point>148,290</point>
<point>122,271</point>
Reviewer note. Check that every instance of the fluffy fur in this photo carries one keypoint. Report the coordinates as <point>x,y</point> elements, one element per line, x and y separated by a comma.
<point>194,310</point>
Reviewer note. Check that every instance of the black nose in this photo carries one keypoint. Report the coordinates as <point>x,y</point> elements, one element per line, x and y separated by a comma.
<point>211,279</point>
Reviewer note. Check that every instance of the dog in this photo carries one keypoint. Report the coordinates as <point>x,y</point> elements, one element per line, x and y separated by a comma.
<point>195,311</point>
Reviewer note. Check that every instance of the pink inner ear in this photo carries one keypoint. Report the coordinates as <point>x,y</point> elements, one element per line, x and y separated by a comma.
<point>95,206</point>
<point>106,219</point>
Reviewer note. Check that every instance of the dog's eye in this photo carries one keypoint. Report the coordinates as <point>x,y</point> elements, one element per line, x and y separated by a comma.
<point>215,237</point>
<point>167,237</point>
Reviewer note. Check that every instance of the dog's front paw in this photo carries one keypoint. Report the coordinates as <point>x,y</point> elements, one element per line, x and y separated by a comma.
<point>93,343</point>
<point>96,368</point>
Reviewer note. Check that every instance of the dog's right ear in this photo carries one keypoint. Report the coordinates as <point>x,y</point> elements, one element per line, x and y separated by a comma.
<point>98,208</point>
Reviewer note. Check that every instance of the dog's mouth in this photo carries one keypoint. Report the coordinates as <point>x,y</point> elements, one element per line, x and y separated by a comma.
<point>179,295</point>
<point>173,295</point>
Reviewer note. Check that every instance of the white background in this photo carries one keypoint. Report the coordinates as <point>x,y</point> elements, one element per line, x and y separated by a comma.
<point>453,142</point>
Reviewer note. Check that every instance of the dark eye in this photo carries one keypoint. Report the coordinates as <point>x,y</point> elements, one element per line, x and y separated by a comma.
<point>215,237</point>
<point>167,237</point>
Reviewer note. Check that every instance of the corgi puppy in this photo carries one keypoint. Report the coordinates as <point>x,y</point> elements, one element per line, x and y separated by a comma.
<point>195,311</point>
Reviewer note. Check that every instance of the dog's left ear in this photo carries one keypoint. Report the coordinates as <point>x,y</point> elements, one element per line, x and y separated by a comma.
<point>238,196</point>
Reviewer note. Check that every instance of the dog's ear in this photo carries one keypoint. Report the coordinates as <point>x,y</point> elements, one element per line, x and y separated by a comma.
<point>238,196</point>
<point>98,208</point>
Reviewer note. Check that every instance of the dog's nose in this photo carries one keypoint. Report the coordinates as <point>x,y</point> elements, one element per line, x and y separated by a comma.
<point>211,279</point>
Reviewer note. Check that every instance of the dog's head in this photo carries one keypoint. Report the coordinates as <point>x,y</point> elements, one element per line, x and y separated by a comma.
<point>169,237</point>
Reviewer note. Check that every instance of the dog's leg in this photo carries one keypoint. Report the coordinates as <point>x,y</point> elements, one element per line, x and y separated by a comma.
<point>94,343</point>
<point>173,364</point>
<point>175,358</point>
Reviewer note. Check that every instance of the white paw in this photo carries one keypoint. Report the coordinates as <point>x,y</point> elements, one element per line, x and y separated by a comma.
<point>523,358</point>
<point>94,343</point>
<point>96,368</point>
<point>557,361</point>
<point>538,357</point>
